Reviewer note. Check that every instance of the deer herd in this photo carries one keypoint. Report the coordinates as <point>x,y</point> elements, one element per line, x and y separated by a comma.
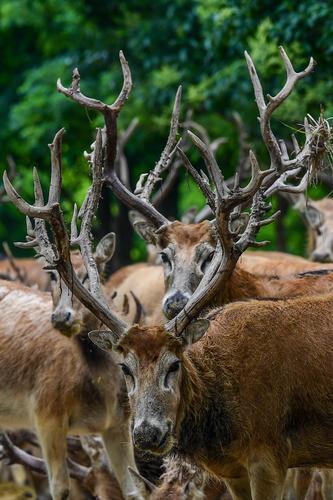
<point>210,366</point>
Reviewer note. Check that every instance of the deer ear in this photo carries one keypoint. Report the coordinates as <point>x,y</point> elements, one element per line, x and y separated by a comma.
<point>195,331</point>
<point>142,484</point>
<point>313,216</point>
<point>104,339</point>
<point>145,229</point>
<point>239,223</point>
<point>105,249</point>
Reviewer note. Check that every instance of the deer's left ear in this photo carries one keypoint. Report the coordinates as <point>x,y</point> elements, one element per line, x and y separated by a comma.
<point>105,249</point>
<point>194,331</point>
<point>104,339</point>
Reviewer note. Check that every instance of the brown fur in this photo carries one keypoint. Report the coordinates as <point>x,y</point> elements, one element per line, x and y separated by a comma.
<point>31,271</point>
<point>145,281</point>
<point>266,264</point>
<point>57,384</point>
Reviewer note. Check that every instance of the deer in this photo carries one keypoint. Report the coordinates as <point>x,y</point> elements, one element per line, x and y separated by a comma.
<point>178,384</point>
<point>318,216</point>
<point>72,387</point>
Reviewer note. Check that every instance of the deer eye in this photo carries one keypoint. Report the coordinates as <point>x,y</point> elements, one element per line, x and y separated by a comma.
<point>165,258</point>
<point>126,371</point>
<point>207,261</point>
<point>53,276</point>
<point>173,368</point>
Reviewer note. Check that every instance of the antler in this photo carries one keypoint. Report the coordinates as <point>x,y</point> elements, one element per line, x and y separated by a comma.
<point>147,182</point>
<point>58,255</point>
<point>227,202</point>
<point>15,455</point>
<point>110,114</point>
<point>266,110</point>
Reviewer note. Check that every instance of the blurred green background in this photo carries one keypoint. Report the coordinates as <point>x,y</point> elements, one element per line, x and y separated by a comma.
<point>198,43</point>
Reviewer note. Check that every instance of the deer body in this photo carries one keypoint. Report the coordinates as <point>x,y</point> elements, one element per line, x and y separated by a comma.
<point>59,385</point>
<point>31,271</point>
<point>250,399</point>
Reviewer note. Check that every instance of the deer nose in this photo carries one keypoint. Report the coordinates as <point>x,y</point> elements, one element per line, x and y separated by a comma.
<point>147,436</point>
<point>62,318</point>
<point>174,304</point>
<point>320,256</point>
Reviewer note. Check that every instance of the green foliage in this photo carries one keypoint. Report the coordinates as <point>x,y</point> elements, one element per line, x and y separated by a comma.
<point>198,43</point>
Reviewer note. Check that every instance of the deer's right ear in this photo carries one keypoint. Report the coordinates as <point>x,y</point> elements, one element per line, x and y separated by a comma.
<point>104,339</point>
<point>145,229</point>
<point>314,216</point>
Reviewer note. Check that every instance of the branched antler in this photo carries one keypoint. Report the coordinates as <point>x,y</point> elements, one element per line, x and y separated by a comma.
<point>12,454</point>
<point>227,202</point>
<point>58,254</point>
<point>110,114</point>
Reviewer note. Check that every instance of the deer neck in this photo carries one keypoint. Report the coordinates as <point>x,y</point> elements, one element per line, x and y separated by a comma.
<point>204,425</point>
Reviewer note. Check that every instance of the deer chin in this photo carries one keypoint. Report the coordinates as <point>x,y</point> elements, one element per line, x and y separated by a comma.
<point>164,447</point>
<point>71,330</point>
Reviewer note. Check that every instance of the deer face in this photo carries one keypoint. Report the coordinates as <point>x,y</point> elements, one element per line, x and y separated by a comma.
<point>68,314</point>
<point>185,251</point>
<point>153,378</point>
<point>152,362</point>
<point>321,221</point>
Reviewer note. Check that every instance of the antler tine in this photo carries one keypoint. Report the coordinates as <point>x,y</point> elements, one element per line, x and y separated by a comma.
<point>91,204</point>
<point>174,168</point>
<point>244,147</point>
<point>200,181</point>
<point>37,210</point>
<point>55,183</point>
<point>121,160</point>
<point>74,91</point>
<point>266,110</point>
<point>110,114</point>
<point>213,169</point>
<point>200,130</point>
<point>145,189</point>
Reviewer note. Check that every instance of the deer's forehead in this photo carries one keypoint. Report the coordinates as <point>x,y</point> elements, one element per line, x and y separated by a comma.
<point>187,235</point>
<point>149,344</point>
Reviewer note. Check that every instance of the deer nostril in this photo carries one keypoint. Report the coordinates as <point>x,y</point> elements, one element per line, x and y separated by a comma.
<point>174,304</point>
<point>68,316</point>
<point>53,318</point>
<point>147,436</point>
<point>320,257</point>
